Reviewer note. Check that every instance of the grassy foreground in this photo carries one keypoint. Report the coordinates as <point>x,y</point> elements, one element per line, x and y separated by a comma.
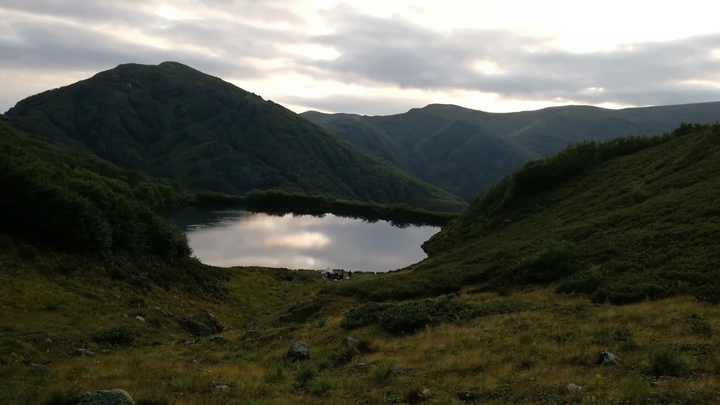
<point>528,355</point>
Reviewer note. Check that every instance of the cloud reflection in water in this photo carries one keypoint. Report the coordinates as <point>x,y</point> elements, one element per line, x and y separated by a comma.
<point>239,238</point>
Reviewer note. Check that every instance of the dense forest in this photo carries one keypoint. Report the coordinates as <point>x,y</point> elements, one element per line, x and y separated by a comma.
<point>173,122</point>
<point>625,220</point>
<point>466,151</point>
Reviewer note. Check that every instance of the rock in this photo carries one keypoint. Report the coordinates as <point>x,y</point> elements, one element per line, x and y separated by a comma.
<point>47,340</point>
<point>218,339</point>
<point>574,387</point>
<point>360,367</point>
<point>400,371</point>
<point>83,353</point>
<point>349,342</point>
<point>140,318</point>
<point>155,344</point>
<point>205,325</point>
<point>660,382</point>
<point>94,296</point>
<point>451,296</point>
<point>189,342</point>
<point>117,296</point>
<point>110,397</point>
<point>607,359</point>
<point>467,396</point>
<point>222,387</point>
<point>40,366</point>
<point>427,393</point>
<point>299,351</point>
<point>251,333</point>
<point>227,328</point>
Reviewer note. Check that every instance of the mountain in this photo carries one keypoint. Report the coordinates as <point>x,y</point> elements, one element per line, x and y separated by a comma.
<point>622,221</point>
<point>465,151</point>
<point>174,122</point>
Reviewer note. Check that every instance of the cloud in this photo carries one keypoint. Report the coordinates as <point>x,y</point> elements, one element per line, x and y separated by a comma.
<point>395,51</point>
<point>274,45</point>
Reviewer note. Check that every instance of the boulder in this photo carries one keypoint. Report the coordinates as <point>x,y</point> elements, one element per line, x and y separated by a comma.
<point>607,359</point>
<point>204,325</point>
<point>299,351</point>
<point>47,340</point>
<point>109,397</point>
<point>349,342</point>
<point>574,387</point>
<point>218,339</point>
<point>83,353</point>
<point>467,396</point>
<point>140,319</point>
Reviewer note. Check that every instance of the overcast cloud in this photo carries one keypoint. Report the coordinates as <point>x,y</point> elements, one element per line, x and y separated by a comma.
<point>374,57</point>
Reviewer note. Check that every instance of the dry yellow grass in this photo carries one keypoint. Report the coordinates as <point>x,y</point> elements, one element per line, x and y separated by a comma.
<point>526,357</point>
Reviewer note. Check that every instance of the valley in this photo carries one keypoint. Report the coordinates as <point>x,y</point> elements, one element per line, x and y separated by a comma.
<point>585,272</point>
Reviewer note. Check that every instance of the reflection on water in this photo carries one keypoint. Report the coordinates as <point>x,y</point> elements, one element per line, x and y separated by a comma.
<point>240,238</point>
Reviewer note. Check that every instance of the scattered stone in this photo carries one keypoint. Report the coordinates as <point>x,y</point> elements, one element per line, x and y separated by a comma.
<point>467,396</point>
<point>47,340</point>
<point>205,325</point>
<point>155,343</point>
<point>218,339</point>
<point>140,318</point>
<point>117,296</point>
<point>427,393</point>
<point>110,397</point>
<point>353,309</point>
<point>189,342</point>
<point>40,366</point>
<point>222,387</point>
<point>157,308</point>
<point>607,359</point>
<point>574,387</point>
<point>349,342</point>
<point>360,367</point>
<point>251,333</point>
<point>83,353</point>
<point>400,371</point>
<point>299,351</point>
<point>227,328</point>
<point>94,295</point>
<point>197,361</point>
<point>451,296</point>
<point>660,382</point>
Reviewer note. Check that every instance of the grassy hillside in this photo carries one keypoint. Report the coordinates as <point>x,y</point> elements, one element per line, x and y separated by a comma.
<point>622,221</point>
<point>466,151</point>
<point>94,217</point>
<point>174,122</point>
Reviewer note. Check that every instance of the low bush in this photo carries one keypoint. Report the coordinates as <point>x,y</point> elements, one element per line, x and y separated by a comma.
<point>666,362</point>
<point>116,336</point>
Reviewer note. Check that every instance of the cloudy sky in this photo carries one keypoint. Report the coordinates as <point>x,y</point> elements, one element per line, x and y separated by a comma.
<point>381,56</point>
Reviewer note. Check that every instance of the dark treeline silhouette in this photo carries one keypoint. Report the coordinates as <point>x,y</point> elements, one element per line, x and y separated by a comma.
<point>282,203</point>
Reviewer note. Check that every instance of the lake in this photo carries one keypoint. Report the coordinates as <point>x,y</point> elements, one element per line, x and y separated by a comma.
<point>235,237</point>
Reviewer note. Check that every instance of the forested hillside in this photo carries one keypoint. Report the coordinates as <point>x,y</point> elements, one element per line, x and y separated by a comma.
<point>623,221</point>
<point>465,151</point>
<point>174,122</point>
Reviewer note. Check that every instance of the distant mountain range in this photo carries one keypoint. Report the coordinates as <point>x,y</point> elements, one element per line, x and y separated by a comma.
<point>465,151</point>
<point>174,122</point>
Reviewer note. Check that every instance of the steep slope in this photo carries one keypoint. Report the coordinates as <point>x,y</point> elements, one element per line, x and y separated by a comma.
<point>623,221</point>
<point>465,151</point>
<point>174,122</point>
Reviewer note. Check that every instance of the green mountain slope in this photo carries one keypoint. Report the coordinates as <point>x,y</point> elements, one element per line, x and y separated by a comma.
<point>465,151</point>
<point>174,122</point>
<point>91,215</point>
<point>626,220</point>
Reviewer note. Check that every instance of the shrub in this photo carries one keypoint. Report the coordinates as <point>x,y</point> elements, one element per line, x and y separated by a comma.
<point>365,347</point>
<point>344,356</point>
<point>526,337</point>
<point>612,335</point>
<point>323,385</point>
<point>367,315</point>
<point>304,373</point>
<point>67,397</point>
<point>116,336</point>
<point>52,304</point>
<point>584,282</point>
<point>275,372</point>
<point>27,252</point>
<point>383,372</point>
<point>553,261</point>
<point>666,362</point>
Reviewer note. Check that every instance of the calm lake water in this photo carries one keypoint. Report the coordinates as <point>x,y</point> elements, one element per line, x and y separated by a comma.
<point>241,238</point>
